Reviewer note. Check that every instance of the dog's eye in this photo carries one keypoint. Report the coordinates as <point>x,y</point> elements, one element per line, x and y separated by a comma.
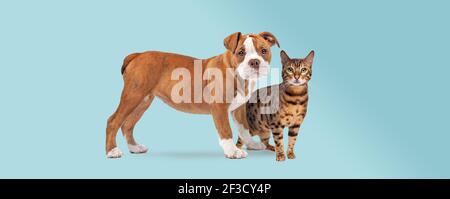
<point>263,51</point>
<point>303,70</point>
<point>241,53</point>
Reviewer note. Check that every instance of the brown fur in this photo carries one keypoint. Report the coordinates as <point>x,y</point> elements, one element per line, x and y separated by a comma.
<point>148,75</point>
<point>127,61</point>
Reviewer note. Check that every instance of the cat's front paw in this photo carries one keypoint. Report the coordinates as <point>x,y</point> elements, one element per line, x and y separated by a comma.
<point>256,146</point>
<point>281,157</point>
<point>291,155</point>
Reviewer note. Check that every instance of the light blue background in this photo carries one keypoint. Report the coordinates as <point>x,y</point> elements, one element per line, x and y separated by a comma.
<point>378,99</point>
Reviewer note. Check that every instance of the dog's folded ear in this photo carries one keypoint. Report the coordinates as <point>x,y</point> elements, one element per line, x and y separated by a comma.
<point>270,38</point>
<point>231,42</point>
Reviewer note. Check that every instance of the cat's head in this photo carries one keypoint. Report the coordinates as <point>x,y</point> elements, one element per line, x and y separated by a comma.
<point>296,72</point>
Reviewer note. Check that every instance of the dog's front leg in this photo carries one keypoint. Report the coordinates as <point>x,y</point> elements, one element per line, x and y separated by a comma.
<point>220,116</point>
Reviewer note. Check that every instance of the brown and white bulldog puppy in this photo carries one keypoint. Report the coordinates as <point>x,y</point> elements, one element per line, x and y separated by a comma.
<point>151,74</point>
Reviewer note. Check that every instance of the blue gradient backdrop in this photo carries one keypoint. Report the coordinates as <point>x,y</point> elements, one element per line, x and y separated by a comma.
<point>379,99</point>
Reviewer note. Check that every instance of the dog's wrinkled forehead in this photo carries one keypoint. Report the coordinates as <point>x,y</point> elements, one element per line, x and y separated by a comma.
<point>253,42</point>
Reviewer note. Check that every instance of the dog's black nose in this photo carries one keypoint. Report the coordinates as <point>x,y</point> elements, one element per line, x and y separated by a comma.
<point>254,63</point>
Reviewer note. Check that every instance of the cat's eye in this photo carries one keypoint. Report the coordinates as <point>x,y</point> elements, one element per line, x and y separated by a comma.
<point>290,70</point>
<point>241,53</point>
<point>303,70</point>
<point>263,51</point>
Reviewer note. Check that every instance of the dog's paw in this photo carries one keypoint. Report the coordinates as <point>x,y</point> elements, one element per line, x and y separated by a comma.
<point>256,146</point>
<point>114,153</point>
<point>230,150</point>
<point>236,153</point>
<point>137,148</point>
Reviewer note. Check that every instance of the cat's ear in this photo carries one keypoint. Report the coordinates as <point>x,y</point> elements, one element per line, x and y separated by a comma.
<point>309,59</point>
<point>231,42</point>
<point>270,38</point>
<point>284,58</point>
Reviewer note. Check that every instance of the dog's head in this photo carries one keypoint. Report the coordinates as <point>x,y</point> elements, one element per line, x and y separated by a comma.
<point>251,53</point>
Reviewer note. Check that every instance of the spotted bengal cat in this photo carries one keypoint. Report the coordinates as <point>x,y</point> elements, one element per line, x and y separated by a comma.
<point>289,111</point>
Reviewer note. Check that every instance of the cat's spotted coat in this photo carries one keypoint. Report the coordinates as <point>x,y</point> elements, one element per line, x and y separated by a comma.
<point>290,110</point>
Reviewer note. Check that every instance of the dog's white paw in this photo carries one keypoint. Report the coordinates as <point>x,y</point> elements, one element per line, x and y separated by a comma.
<point>236,154</point>
<point>231,151</point>
<point>256,146</point>
<point>114,153</point>
<point>137,148</point>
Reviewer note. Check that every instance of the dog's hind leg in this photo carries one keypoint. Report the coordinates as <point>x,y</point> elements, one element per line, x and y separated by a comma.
<point>132,96</point>
<point>130,122</point>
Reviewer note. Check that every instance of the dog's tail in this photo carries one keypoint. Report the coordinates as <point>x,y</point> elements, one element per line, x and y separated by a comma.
<point>127,60</point>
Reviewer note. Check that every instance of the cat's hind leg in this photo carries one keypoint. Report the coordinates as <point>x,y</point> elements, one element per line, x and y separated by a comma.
<point>265,137</point>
